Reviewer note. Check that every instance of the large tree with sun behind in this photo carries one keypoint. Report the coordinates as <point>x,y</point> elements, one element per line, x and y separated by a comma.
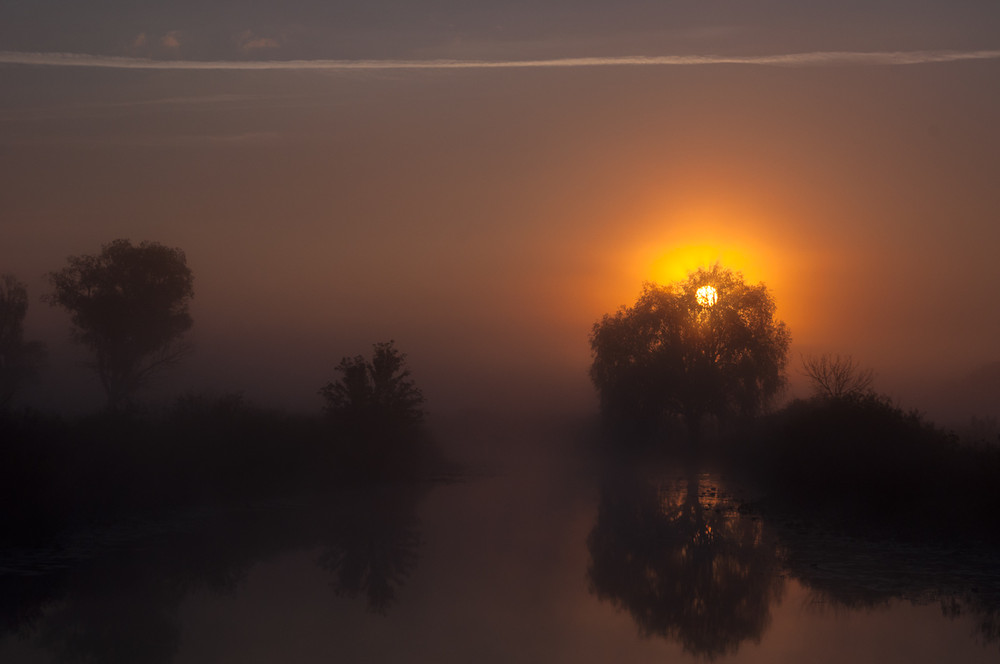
<point>706,347</point>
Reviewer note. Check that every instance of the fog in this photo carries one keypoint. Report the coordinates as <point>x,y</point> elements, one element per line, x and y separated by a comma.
<point>485,220</point>
<point>485,185</point>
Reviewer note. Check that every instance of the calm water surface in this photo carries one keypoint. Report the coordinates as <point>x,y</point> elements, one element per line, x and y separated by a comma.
<point>543,553</point>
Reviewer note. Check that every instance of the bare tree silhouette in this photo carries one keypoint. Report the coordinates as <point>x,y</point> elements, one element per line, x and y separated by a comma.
<point>836,376</point>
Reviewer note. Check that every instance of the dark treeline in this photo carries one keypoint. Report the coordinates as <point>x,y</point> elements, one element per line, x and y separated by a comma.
<point>861,463</point>
<point>128,306</point>
<point>693,367</point>
<point>57,473</point>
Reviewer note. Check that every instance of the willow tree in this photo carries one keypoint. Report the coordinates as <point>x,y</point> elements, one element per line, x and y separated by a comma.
<point>708,346</point>
<point>129,305</point>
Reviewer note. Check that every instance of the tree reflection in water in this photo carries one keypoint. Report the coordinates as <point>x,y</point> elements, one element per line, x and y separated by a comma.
<point>372,547</point>
<point>685,564</point>
<point>97,622</point>
<point>121,607</point>
<point>120,602</point>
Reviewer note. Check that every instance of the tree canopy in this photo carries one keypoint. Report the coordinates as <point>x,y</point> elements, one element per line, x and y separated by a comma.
<point>129,305</point>
<point>681,353</point>
<point>374,396</point>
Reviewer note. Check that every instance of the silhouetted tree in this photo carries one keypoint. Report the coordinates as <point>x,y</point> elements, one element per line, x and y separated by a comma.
<point>707,346</point>
<point>19,359</point>
<point>129,305</point>
<point>835,376</point>
<point>374,395</point>
<point>376,415</point>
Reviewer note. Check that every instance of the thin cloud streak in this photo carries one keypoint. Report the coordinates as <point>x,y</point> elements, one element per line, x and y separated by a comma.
<point>812,59</point>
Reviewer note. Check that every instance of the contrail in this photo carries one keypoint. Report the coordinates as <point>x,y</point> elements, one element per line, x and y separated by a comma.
<point>811,59</point>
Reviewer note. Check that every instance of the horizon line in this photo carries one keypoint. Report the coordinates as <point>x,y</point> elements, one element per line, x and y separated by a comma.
<point>804,59</point>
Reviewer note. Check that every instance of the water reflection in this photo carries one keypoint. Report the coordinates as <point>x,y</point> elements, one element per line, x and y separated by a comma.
<point>865,573</point>
<point>120,606</point>
<point>683,563</point>
<point>672,548</point>
<point>96,622</point>
<point>693,564</point>
<point>116,597</point>
<point>372,547</point>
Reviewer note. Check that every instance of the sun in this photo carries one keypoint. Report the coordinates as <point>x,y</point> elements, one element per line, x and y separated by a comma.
<point>706,296</point>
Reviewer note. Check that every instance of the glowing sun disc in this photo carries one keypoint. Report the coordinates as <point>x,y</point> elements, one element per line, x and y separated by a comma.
<point>706,296</point>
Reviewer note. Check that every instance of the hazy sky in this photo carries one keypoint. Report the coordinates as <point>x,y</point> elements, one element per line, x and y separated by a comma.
<point>846,154</point>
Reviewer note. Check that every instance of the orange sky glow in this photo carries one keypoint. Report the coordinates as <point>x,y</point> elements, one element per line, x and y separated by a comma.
<point>486,219</point>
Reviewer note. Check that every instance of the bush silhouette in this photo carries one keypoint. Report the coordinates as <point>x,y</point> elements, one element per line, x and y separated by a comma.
<point>376,408</point>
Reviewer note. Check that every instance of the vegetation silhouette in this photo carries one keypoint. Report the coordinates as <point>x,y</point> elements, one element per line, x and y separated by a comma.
<point>677,355</point>
<point>836,376</point>
<point>19,359</point>
<point>129,305</point>
<point>682,562</point>
<point>685,563</point>
<point>848,453</point>
<point>353,479</point>
<point>847,464</point>
<point>107,467</point>
<point>203,450</point>
<point>869,466</point>
<point>358,471</point>
<point>376,409</point>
